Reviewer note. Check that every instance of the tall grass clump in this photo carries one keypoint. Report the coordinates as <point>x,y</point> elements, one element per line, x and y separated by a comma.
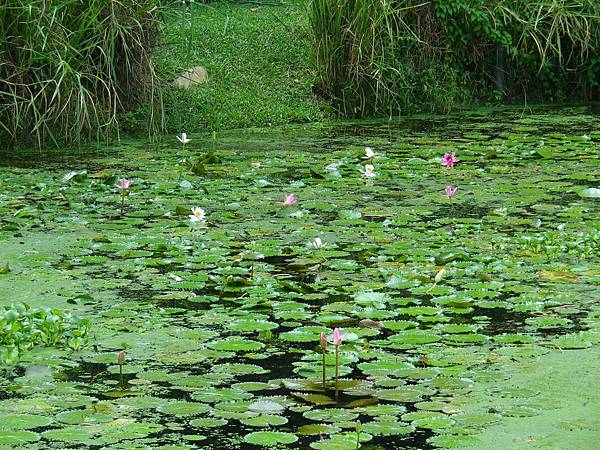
<point>376,57</point>
<point>353,44</point>
<point>68,68</point>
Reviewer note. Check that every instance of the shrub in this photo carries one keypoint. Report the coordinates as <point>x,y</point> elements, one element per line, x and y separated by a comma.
<point>552,46</point>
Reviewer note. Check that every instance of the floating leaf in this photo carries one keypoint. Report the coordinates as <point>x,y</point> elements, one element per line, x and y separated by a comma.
<point>270,438</point>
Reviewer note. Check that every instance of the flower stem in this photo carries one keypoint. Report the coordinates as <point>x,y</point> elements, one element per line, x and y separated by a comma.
<point>337,372</point>
<point>122,201</point>
<point>324,368</point>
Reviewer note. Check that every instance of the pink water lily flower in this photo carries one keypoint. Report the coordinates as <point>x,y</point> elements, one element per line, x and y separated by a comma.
<point>289,200</point>
<point>449,160</point>
<point>450,191</point>
<point>123,184</point>
<point>337,339</point>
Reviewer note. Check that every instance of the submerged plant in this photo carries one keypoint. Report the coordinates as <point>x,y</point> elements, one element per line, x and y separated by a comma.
<point>123,185</point>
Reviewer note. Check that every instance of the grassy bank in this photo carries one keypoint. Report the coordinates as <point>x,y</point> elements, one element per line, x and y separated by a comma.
<point>257,62</point>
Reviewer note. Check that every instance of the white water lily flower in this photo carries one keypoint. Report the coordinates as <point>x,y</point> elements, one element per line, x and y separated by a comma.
<point>334,167</point>
<point>369,153</point>
<point>183,138</point>
<point>440,275</point>
<point>318,243</point>
<point>369,171</point>
<point>198,215</point>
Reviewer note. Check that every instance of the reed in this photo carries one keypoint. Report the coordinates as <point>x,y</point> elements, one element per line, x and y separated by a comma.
<point>69,68</point>
<point>565,30</point>
<point>353,48</point>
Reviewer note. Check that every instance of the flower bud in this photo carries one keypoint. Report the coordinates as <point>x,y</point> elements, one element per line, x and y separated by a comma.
<point>323,339</point>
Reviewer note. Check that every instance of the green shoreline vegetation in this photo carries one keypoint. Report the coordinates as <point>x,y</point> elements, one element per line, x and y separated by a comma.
<point>257,61</point>
<point>69,77</point>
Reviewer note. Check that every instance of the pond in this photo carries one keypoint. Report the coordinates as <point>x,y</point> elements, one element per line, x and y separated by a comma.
<point>468,318</point>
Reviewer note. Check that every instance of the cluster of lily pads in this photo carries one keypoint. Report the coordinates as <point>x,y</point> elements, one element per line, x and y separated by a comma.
<point>224,338</point>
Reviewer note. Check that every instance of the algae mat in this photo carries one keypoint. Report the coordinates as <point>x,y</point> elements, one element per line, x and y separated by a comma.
<point>469,318</point>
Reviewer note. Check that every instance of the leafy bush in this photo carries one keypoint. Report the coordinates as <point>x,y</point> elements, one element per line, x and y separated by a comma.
<point>552,46</point>
<point>68,68</point>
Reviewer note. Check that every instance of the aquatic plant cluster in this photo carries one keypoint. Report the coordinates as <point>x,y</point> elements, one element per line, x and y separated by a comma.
<point>22,327</point>
<point>282,298</point>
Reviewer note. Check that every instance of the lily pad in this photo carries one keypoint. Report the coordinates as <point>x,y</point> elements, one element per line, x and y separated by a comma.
<point>270,438</point>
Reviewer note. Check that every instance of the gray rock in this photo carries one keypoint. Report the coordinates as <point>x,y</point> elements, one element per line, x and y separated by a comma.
<point>191,77</point>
